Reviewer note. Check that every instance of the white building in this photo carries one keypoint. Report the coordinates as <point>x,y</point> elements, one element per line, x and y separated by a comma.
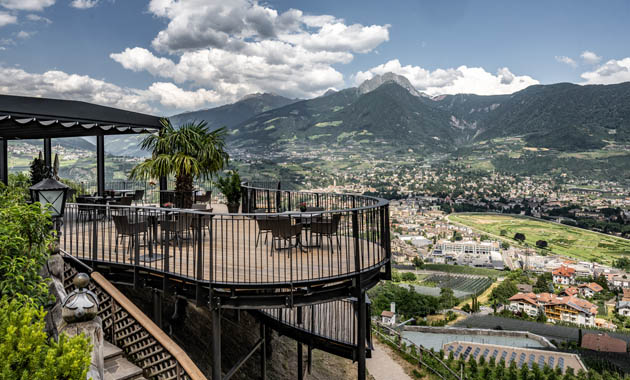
<point>388,317</point>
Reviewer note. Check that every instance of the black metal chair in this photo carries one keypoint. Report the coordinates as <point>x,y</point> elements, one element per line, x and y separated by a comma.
<point>126,229</point>
<point>327,227</point>
<point>265,226</point>
<point>204,198</point>
<point>282,230</point>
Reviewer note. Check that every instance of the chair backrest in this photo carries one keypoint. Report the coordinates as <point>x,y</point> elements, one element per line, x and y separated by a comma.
<point>138,195</point>
<point>121,222</point>
<point>336,218</point>
<point>280,226</point>
<point>125,201</point>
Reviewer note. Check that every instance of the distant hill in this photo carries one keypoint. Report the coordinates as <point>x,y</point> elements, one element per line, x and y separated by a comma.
<point>232,114</point>
<point>386,111</point>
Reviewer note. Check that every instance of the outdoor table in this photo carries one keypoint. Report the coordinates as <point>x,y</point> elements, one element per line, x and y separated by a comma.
<point>306,218</point>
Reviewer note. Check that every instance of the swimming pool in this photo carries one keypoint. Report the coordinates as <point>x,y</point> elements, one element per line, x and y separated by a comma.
<point>437,340</point>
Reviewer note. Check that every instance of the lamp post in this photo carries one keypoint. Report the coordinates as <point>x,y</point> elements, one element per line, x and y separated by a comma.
<point>51,194</point>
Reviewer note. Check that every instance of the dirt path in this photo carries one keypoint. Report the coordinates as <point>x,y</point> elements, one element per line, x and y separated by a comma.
<point>382,366</point>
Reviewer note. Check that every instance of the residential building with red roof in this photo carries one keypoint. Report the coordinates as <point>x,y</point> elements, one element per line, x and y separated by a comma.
<point>564,276</point>
<point>590,290</point>
<point>568,309</point>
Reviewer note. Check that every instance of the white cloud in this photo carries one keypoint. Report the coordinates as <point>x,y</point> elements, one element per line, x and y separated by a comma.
<point>6,19</point>
<point>24,34</point>
<point>26,5</point>
<point>567,60</point>
<point>83,4</point>
<point>611,72</point>
<point>590,57</point>
<point>170,95</point>
<point>239,47</point>
<point>34,17</point>
<point>463,79</point>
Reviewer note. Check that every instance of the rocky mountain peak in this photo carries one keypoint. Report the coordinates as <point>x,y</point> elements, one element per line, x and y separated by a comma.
<point>378,80</point>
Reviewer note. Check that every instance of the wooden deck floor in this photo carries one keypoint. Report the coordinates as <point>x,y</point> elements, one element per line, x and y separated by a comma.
<point>227,251</point>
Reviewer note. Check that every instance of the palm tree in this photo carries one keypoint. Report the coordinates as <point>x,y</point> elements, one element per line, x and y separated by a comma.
<point>190,152</point>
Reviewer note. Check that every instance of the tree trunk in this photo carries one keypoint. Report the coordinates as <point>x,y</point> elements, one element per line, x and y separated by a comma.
<point>184,191</point>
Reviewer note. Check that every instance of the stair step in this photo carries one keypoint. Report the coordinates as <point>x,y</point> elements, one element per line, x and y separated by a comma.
<point>121,369</point>
<point>110,351</point>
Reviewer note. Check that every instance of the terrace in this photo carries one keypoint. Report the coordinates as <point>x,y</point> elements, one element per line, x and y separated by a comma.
<point>313,291</point>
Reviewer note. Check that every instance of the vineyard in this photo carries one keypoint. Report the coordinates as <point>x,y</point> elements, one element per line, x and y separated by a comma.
<point>464,283</point>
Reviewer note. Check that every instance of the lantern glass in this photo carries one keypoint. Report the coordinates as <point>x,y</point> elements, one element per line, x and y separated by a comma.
<point>52,199</point>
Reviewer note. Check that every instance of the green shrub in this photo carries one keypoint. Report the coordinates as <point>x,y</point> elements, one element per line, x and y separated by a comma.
<point>25,236</point>
<point>26,353</point>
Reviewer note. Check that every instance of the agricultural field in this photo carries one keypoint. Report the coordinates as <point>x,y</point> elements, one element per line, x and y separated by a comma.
<point>564,240</point>
<point>463,283</point>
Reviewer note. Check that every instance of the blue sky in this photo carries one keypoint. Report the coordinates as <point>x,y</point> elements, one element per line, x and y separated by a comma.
<point>166,56</point>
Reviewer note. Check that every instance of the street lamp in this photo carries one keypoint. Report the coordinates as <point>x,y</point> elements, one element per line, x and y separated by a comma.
<point>51,194</point>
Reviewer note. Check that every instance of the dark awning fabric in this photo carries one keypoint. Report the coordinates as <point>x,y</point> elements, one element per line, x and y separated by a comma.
<point>35,118</point>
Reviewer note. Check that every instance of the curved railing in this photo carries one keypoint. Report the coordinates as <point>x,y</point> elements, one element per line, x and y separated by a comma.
<point>330,326</point>
<point>240,251</point>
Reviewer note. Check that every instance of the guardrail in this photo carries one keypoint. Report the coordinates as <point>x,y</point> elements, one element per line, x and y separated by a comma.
<point>282,248</point>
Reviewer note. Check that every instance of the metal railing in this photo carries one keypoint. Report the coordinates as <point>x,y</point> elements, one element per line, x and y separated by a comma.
<point>151,189</point>
<point>238,249</point>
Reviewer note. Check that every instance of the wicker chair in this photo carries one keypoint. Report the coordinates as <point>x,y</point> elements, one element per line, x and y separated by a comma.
<point>327,227</point>
<point>203,219</point>
<point>283,230</point>
<point>138,196</point>
<point>126,229</point>
<point>176,228</point>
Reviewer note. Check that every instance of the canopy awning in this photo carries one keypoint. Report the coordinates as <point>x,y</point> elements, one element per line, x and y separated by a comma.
<point>24,117</point>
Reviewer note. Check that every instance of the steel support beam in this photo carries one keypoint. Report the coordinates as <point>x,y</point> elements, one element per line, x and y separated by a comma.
<point>362,334</point>
<point>216,343</point>
<point>263,352</point>
<point>157,308</point>
<point>48,152</point>
<point>100,165</point>
<point>4,161</point>
<point>300,362</point>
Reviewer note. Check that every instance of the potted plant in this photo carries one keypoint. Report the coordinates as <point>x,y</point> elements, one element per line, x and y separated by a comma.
<point>302,206</point>
<point>230,186</point>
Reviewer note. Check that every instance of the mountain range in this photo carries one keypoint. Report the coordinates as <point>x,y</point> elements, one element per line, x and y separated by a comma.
<point>387,116</point>
<point>388,110</point>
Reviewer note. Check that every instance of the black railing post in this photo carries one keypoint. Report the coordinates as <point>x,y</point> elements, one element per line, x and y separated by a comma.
<point>268,201</point>
<point>360,294</point>
<point>216,342</point>
<point>94,233</point>
<point>289,206</point>
<point>199,274</point>
<point>278,199</point>
<point>388,245</point>
<point>136,255</point>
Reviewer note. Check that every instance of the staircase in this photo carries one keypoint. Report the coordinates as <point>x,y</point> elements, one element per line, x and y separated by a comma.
<point>117,367</point>
<point>135,348</point>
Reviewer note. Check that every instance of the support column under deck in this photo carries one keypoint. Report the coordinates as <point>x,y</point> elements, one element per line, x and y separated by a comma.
<point>4,161</point>
<point>361,331</point>
<point>300,362</point>
<point>216,343</point>
<point>100,165</point>
<point>48,152</point>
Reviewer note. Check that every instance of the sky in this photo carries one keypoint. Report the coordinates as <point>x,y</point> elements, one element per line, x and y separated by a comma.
<point>169,56</point>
